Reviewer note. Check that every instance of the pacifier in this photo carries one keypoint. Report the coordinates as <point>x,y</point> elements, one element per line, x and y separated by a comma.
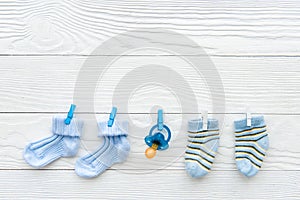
<point>156,139</point>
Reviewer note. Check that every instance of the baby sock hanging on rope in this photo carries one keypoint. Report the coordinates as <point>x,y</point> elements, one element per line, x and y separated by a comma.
<point>251,144</point>
<point>202,147</point>
<point>64,142</point>
<point>114,149</point>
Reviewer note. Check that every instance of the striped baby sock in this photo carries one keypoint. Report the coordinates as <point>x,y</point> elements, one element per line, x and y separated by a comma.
<point>251,145</point>
<point>64,142</point>
<point>202,147</point>
<point>114,149</point>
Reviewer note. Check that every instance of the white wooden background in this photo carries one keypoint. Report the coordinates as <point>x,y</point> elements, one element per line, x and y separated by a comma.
<point>255,46</point>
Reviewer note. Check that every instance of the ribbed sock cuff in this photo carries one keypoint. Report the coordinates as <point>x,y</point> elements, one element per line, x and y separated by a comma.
<point>257,121</point>
<point>118,128</point>
<point>60,128</point>
<point>196,125</point>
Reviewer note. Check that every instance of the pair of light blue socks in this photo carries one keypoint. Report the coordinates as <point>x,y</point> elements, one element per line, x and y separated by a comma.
<point>251,144</point>
<point>65,142</point>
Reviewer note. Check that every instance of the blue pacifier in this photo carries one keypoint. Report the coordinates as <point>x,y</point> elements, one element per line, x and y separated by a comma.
<point>156,140</point>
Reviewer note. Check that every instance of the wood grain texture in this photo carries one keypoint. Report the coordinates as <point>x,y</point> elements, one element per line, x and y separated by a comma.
<point>172,184</point>
<point>253,44</point>
<point>222,28</point>
<point>46,84</point>
<point>17,130</point>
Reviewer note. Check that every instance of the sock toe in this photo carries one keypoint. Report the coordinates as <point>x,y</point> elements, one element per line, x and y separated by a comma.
<point>252,172</point>
<point>37,161</point>
<point>85,170</point>
<point>194,170</point>
<point>244,166</point>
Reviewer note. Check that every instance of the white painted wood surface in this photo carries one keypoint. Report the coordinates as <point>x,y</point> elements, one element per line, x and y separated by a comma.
<point>46,84</point>
<point>253,44</point>
<point>222,27</point>
<point>172,184</point>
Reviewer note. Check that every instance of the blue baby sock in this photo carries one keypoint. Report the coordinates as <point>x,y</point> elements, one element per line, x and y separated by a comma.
<point>251,145</point>
<point>114,149</point>
<point>63,143</point>
<point>202,147</point>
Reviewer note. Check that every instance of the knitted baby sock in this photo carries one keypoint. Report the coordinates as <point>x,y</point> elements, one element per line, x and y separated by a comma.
<point>63,143</point>
<point>114,149</point>
<point>251,145</point>
<point>202,147</point>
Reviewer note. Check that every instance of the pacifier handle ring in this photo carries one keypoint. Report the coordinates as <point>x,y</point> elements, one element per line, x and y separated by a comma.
<point>164,127</point>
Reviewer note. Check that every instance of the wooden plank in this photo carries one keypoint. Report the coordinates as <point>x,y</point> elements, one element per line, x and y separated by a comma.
<point>46,84</point>
<point>163,184</point>
<point>17,130</point>
<point>222,28</point>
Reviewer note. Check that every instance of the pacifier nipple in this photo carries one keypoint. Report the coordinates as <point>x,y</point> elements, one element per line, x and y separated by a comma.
<point>151,151</point>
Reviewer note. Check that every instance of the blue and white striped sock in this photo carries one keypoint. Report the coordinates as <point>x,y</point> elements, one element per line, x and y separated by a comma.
<point>64,143</point>
<point>251,144</point>
<point>114,149</point>
<point>202,147</point>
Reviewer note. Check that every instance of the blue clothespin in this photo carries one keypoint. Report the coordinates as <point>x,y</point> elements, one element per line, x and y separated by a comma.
<point>160,120</point>
<point>112,117</point>
<point>70,114</point>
